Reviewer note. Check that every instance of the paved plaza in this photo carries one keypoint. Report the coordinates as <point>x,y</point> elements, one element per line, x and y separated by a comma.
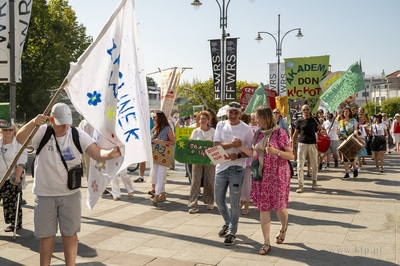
<point>346,222</point>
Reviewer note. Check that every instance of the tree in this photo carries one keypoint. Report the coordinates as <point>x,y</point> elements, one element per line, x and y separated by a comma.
<point>54,39</point>
<point>372,109</point>
<point>206,91</point>
<point>151,82</point>
<point>391,106</point>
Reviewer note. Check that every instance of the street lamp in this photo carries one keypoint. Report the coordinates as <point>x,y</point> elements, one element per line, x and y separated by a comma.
<point>223,21</point>
<point>278,43</point>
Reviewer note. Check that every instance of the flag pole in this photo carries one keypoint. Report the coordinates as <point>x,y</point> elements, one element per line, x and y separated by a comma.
<point>28,140</point>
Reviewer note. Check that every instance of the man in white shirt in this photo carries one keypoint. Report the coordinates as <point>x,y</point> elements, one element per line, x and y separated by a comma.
<point>332,129</point>
<point>231,134</point>
<point>56,204</point>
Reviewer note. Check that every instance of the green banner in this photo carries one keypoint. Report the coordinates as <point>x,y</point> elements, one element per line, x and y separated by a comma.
<point>346,85</point>
<point>259,98</point>
<point>185,110</point>
<point>5,116</point>
<point>190,152</point>
<point>303,76</point>
<point>193,152</point>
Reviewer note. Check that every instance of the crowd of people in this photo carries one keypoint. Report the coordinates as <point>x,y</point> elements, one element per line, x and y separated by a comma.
<point>260,147</point>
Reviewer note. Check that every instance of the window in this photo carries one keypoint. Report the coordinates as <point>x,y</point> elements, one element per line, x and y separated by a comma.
<point>363,94</point>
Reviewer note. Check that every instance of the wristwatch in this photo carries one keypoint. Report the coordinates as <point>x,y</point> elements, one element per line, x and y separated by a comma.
<point>239,155</point>
<point>279,154</point>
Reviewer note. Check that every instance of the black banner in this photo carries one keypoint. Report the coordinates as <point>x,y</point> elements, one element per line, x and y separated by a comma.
<point>216,66</point>
<point>231,59</point>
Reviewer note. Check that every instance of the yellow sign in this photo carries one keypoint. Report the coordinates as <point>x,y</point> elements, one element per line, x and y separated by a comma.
<point>281,104</point>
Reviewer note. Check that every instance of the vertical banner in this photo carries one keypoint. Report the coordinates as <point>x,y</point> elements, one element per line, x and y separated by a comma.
<point>4,41</point>
<point>169,87</point>
<point>231,60</point>
<point>303,76</point>
<point>215,46</point>
<point>273,78</point>
<point>22,16</point>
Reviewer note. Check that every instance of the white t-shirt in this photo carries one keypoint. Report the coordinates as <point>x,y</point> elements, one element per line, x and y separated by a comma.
<point>8,154</point>
<point>199,134</point>
<point>50,174</point>
<point>379,129</point>
<point>332,133</point>
<point>225,133</point>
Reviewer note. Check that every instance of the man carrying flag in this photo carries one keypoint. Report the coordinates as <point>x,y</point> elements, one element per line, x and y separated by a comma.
<point>56,204</point>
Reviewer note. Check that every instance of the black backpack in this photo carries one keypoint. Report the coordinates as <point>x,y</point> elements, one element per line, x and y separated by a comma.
<point>46,138</point>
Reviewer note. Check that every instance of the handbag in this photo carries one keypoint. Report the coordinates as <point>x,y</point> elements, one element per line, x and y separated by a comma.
<point>74,174</point>
<point>255,165</point>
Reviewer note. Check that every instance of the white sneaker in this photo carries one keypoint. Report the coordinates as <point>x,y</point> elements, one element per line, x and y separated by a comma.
<point>193,210</point>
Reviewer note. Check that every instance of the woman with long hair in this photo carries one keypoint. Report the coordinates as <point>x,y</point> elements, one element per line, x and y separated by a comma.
<point>213,118</point>
<point>380,137</point>
<point>161,132</point>
<point>204,132</point>
<point>12,186</point>
<point>347,126</point>
<point>361,155</point>
<point>271,146</point>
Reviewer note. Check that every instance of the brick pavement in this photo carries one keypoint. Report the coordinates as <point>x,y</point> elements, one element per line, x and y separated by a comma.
<point>350,222</point>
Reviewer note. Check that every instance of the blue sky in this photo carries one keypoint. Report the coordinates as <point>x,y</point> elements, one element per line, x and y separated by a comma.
<point>172,33</point>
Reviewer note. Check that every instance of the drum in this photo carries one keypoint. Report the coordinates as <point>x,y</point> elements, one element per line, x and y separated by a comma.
<point>351,146</point>
<point>323,143</point>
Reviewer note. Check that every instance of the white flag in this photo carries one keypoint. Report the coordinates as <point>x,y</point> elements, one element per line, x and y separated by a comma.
<point>108,87</point>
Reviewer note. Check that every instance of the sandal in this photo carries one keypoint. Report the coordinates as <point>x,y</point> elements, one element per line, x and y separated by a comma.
<point>381,169</point>
<point>10,228</point>
<point>279,239</point>
<point>263,251</point>
<point>130,195</point>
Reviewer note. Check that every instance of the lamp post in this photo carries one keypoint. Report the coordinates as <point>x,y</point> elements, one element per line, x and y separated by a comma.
<point>278,43</point>
<point>223,21</point>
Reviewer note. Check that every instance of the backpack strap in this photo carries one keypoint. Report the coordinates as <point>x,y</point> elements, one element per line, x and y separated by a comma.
<point>75,138</point>
<point>45,139</point>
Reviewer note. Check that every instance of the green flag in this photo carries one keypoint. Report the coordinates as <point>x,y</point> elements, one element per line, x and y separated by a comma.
<point>259,98</point>
<point>349,83</point>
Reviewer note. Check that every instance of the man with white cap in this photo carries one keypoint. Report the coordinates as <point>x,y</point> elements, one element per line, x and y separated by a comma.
<point>231,134</point>
<point>56,204</point>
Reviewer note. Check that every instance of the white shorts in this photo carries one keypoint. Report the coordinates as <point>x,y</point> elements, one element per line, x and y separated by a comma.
<point>63,210</point>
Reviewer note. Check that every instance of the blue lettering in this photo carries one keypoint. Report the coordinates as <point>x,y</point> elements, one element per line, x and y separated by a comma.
<point>109,51</point>
<point>132,132</point>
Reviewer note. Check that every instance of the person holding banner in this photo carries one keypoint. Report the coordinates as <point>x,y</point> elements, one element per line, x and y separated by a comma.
<point>305,130</point>
<point>161,132</point>
<point>347,126</point>
<point>204,132</point>
<point>56,204</point>
<point>231,134</point>
<point>271,146</point>
<point>12,188</point>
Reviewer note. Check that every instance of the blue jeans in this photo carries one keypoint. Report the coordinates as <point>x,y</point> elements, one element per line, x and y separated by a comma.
<point>231,177</point>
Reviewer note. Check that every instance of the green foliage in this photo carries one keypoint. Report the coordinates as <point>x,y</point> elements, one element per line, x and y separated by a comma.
<point>391,106</point>
<point>206,90</point>
<point>370,108</point>
<point>54,39</point>
<point>151,82</point>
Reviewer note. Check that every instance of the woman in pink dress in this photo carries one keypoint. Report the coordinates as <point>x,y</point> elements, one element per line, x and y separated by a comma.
<point>271,146</point>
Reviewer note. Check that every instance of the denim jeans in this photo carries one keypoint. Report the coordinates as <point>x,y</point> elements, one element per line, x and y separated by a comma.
<point>231,177</point>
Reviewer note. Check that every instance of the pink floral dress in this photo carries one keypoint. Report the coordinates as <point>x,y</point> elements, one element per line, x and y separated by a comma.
<point>272,192</point>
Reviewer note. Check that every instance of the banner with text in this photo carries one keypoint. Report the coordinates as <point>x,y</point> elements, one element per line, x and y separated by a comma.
<point>215,46</point>
<point>231,65</point>
<point>193,152</point>
<point>22,15</point>
<point>169,87</point>
<point>273,78</point>
<point>163,154</point>
<point>248,92</point>
<point>303,76</point>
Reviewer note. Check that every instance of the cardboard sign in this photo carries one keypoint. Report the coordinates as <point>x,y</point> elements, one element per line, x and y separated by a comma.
<point>163,153</point>
<point>193,152</point>
<point>185,110</point>
<point>217,155</point>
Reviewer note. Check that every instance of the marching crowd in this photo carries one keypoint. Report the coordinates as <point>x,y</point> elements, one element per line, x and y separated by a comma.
<point>263,152</point>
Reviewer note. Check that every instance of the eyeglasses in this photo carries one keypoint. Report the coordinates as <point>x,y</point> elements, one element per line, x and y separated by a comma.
<point>276,113</point>
<point>307,109</point>
<point>7,129</point>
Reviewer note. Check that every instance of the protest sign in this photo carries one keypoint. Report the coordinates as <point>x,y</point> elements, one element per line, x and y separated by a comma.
<point>162,153</point>
<point>217,155</point>
<point>193,152</point>
<point>185,110</point>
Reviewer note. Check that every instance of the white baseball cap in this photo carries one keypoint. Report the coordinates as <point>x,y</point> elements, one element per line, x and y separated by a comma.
<point>61,114</point>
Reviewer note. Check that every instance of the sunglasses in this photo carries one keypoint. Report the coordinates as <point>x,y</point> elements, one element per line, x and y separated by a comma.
<point>276,113</point>
<point>8,129</point>
<point>306,109</point>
